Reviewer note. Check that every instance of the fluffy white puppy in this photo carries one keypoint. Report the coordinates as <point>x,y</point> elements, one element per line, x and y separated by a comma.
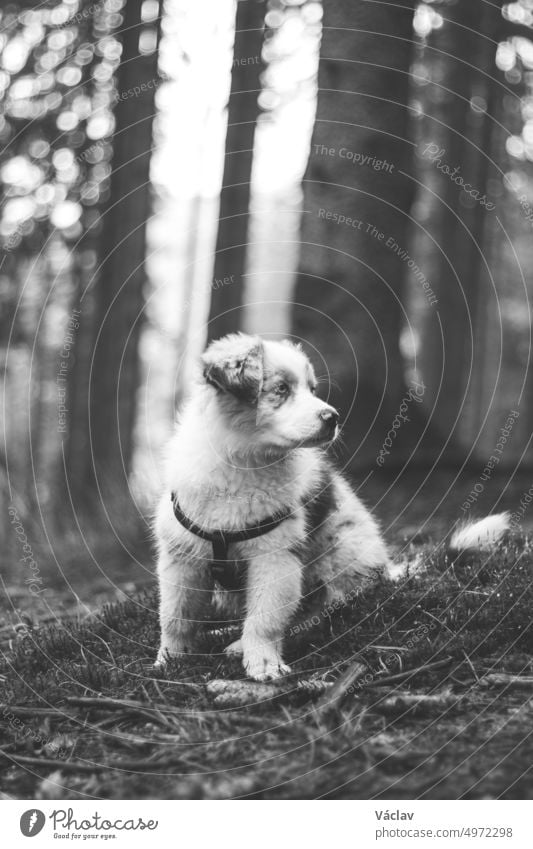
<point>253,515</point>
<point>246,459</point>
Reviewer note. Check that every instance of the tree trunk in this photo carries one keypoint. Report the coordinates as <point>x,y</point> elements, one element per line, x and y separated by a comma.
<point>451,356</point>
<point>231,246</point>
<point>357,196</point>
<point>120,296</point>
<point>75,461</point>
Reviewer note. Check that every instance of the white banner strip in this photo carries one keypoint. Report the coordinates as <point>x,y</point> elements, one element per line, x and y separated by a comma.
<point>256,825</point>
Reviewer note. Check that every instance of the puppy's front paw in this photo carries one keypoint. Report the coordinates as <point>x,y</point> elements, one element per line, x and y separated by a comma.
<point>161,660</point>
<point>263,665</point>
<point>234,648</point>
<point>268,671</point>
<point>165,655</point>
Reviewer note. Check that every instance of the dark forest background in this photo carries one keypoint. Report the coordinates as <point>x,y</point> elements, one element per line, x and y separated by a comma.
<point>356,175</point>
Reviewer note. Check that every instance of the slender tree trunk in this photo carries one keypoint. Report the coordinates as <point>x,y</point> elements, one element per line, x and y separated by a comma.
<point>119,300</point>
<point>357,198</point>
<point>76,442</point>
<point>231,247</point>
<point>72,366</point>
<point>451,357</point>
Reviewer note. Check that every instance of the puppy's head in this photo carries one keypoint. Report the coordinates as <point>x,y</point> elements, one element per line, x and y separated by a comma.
<point>266,392</point>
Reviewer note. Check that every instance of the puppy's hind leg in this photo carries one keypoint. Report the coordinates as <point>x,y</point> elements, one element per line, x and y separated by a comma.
<point>185,589</point>
<point>355,553</point>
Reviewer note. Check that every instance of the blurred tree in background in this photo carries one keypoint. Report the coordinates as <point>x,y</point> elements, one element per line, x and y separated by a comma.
<point>243,109</point>
<point>119,307</point>
<point>349,301</point>
<point>79,88</point>
<point>58,65</point>
<point>473,107</point>
<point>462,131</point>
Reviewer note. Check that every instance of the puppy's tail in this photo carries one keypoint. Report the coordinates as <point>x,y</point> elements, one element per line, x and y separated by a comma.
<point>481,535</point>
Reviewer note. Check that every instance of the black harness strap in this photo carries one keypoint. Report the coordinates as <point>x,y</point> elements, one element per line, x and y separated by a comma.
<point>227,573</point>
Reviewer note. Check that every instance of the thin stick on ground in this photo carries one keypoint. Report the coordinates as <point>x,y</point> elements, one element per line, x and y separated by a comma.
<point>106,703</point>
<point>505,679</point>
<point>335,696</point>
<point>81,766</point>
<point>33,712</point>
<point>471,665</point>
<point>159,714</point>
<point>409,673</point>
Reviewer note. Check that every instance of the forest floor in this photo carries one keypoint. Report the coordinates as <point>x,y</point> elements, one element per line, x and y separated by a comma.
<point>422,689</point>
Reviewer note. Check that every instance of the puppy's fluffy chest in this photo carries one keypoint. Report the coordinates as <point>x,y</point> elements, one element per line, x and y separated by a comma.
<point>218,492</point>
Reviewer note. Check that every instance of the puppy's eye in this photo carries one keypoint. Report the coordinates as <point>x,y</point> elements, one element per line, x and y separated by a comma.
<point>281,388</point>
<point>312,390</point>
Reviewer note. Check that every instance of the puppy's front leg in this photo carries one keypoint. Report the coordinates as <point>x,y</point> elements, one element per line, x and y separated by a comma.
<point>185,589</point>
<point>272,595</point>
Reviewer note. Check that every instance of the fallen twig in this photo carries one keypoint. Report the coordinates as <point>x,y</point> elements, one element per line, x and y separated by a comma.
<point>132,740</point>
<point>471,665</point>
<point>409,673</point>
<point>107,703</point>
<point>82,766</point>
<point>22,710</point>
<point>351,680</point>
<point>504,679</point>
<point>417,703</point>
<point>187,686</point>
<point>155,713</point>
<point>332,699</point>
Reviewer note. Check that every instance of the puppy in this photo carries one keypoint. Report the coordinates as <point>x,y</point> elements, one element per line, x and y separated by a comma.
<point>253,517</point>
<point>250,492</point>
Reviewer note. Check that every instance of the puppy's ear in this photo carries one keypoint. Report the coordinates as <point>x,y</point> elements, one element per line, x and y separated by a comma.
<point>235,364</point>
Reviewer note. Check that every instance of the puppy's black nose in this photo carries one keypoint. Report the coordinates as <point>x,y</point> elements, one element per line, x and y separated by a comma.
<point>329,417</point>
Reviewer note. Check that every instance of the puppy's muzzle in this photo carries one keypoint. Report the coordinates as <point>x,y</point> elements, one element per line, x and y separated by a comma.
<point>330,419</point>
